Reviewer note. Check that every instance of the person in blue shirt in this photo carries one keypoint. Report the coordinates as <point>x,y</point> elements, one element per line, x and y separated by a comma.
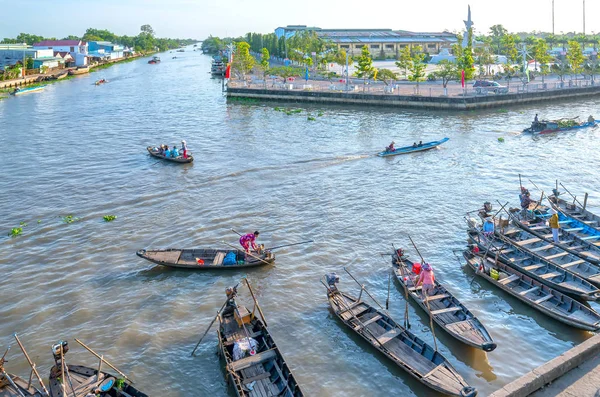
<point>167,151</point>
<point>488,226</point>
<point>174,152</point>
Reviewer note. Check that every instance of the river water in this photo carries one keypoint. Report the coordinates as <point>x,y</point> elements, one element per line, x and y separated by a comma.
<point>79,149</point>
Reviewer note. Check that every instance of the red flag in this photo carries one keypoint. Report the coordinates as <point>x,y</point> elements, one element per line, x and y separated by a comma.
<point>462,78</point>
<point>228,71</point>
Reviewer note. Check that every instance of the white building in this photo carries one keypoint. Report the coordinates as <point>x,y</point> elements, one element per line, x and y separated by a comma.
<point>10,54</point>
<point>77,48</point>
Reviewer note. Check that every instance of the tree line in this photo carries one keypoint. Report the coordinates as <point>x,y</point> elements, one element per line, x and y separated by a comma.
<point>145,41</point>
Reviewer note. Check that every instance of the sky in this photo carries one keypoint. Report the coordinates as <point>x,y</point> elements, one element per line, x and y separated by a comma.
<point>200,18</point>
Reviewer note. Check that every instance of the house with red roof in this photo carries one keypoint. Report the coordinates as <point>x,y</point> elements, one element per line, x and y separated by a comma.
<point>78,49</point>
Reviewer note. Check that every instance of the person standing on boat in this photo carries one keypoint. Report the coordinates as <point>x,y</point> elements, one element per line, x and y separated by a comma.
<point>553,222</point>
<point>427,279</point>
<point>390,148</point>
<point>174,152</point>
<point>488,226</point>
<point>248,240</point>
<point>184,149</point>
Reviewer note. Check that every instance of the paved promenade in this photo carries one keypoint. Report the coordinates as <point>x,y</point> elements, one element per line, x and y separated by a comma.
<point>583,381</point>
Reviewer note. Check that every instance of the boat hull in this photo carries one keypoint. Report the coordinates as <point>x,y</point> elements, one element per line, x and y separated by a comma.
<point>212,259</point>
<point>587,124</point>
<point>179,159</point>
<point>411,149</point>
<point>80,378</point>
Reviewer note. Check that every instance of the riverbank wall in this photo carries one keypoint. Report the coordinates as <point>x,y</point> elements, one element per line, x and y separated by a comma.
<point>553,370</point>
<point>451,103</point>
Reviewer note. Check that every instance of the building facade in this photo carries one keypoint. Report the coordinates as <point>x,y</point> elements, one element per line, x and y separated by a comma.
<point>77,48</point>
<point>11,54</point>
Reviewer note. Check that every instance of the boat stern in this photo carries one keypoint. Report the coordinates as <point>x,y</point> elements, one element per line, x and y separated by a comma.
<point>489,346</point>
<point>468,391</point>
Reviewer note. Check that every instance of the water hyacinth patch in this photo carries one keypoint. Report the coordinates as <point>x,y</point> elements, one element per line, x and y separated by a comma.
<point>311,118</point>
<point>69,219</point>
<point>15,231</point>
<point>109,218</point>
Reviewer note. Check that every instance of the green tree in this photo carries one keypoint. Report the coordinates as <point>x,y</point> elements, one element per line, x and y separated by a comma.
<point>561,67</point>
<point>29,63</point>
<point>464,58</point>
<point>285,72</point>
<point>212,45</point>
<point>386,74</point>
<point>264,61</point>
<point>365,63</point>
<point>243,62</point>
<point>540,54</point>
<point>147,29</point>
<point>509,44</point>
<point>447,71</point>
<point>497,32</point>
<point>575,57</point>
<point>417,66</point>
<point>404,60</point>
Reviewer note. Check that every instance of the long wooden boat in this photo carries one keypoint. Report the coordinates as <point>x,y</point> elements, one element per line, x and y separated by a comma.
<point>445,309</point>
<point>550,126</point>
<point>154,152</point>
<point>21,91</point>
<point>79,70</point>
<point>581,216</point>
<point>398,344</point>
<point>205,259</point>
<point>539,296</point>
<point>13,386</point>
<point>82,381</point>
<point>412,149</point>
<point>264,373</point>
<point>540,269</point>
<point>581,241</point>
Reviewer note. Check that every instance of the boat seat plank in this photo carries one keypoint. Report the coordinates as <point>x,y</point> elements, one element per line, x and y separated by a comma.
<point>544,299</point>
<point>519,259</point>
<point>507,251</point>
<point>85,387</point>
<point>251,334</point>
<point>529,241</point>
<point>563,222</point>
<point>556,256</point>
<point>510,279</point>
<point>574,229</point>
<point>446,310</point>
<point>543,248</point>
<point>251,379</point>
<point>549,275</point>
<point>590,222</point>
<point>369,321</point>
<point>350,307</point>
<point>577,262</point>
<point>590,237</point>
<point>218,260</point>
<point>412,289</point>
<point>594,277</point>
<point>523,293</point>
<point>532,267</point>
<point>538,227</point>
<point>437,297</point>
<point>388,336</point>
<point>258,358</point>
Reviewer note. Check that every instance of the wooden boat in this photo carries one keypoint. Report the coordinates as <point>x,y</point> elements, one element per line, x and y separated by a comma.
<point>412,149</point>
<point>560,125</point>
<point>154,60</point>
<point>445,309</point>
<point>540,269</point>
<point>101,81</point>
<point>398,344</point>
<point>535,294</point>
<point>21,91</point>
<point>217,67</point>
<point>581,242</point>
<point>154,152</point>
<point>264,373</point>
<point>79,70</point>
<point>59,76</point>
<point>13,386</point>
<point>549,251</point>
<point>582,217</point>
<point>82,381</point>
<point>204,259</point>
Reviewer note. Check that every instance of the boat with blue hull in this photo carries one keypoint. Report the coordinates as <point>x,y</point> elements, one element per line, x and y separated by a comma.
<point>412,149</point>
<point>551,126</point>
<point>579,214</point>
<point>21,91</point>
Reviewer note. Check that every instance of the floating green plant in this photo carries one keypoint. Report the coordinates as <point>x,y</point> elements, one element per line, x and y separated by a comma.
<point>39,221</point>
<point>320,114</point>
<point>109,218</point>
<point>311,118</point>
<point>500,139</point>
<point>119,383</point>
<point>23,224</point>
<point>69,219</point>
<point>15,231</point>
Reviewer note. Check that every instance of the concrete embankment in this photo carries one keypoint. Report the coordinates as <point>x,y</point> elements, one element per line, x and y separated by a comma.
<point>458,103</point>
<point>557,368</point>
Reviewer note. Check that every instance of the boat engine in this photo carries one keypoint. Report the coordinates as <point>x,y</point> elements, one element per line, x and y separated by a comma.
<point>56,349</point>
<point>332,279</point>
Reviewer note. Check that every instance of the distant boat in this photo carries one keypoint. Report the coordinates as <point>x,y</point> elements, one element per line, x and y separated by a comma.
<point>560,125</point>
<point>179,159</point>
<point>79,70</point>
<point>21,91</point>
<point>154,60</point>
<point>101,81</point>
<point>414,148</point>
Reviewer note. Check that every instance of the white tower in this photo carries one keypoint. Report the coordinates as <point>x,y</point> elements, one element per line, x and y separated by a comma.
<point>468,25</point>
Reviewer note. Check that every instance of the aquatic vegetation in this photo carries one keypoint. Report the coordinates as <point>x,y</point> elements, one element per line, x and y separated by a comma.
<point>311,118</point>
<point>22,224</point>
<point>70,219</point>
<point>502,111</point>
<point>500,139</point>
<point>39,221</point>
<point>15,231</point>
<point>320,114</point>
<point>119,383</point>
<point>109,218</point>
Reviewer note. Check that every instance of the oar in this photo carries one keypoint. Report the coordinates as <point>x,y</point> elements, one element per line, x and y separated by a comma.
<point>289,245</point>
<point>101,358</point>
<point>387,301</point>
<point>418,252</point>
<point>236,232</point>
<point>574,198</point>
<point>252,255</point>
<point>208,329</point>
<point>31,364</point>
<point>256,302</point>
<point>401,267</point>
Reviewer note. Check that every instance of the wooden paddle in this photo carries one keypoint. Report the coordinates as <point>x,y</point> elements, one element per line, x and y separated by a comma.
<point>209,327</point>
<point>31,364</point>
<point>105,362</point>
<point>252,255</point>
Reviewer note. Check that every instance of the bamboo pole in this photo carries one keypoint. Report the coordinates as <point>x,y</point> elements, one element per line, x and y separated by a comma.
<point>208,329</point>
<point>574,198</point>
<point>256,303</point>
<point>31,364</point>
<point>105,361</point>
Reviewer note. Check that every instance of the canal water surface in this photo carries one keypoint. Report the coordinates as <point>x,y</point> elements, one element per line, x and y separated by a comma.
<point>79,149</point>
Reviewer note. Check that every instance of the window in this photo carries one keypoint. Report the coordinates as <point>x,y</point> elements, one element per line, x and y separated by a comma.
<point>358,46</point>
<point>72,49</point>
<point>389,46</point>
<point>375,46</point>
<point>430,45</point>
<point>344,46</point>
<point>402,46</point>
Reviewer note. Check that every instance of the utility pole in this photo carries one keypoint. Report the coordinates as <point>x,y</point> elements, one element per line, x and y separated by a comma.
<point>552,17</point>
<point>347,72</point>
<point>584,17</point>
